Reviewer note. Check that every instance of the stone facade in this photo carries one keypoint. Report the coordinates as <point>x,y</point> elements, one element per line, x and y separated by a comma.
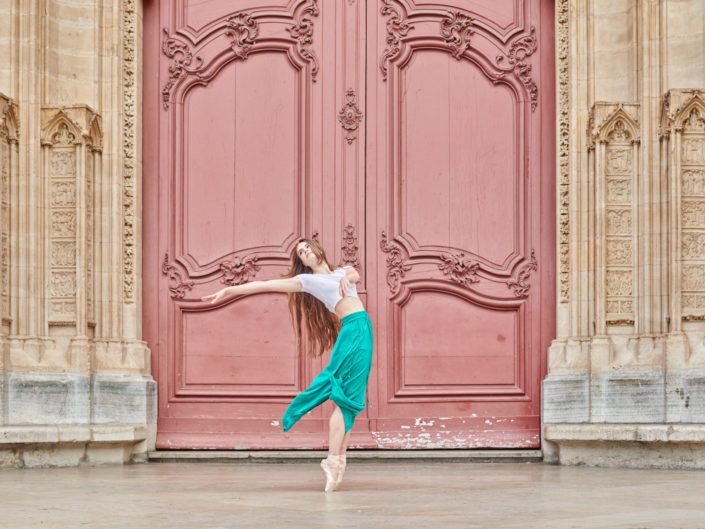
<point>76,381</point>
<point>626,373</point>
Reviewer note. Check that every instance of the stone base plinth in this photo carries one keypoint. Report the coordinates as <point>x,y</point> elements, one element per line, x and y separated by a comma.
<point>43,446</point>
<point>673,446</point>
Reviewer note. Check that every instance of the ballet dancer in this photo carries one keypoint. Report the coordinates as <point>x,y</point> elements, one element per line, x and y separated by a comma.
<point>324,299</point>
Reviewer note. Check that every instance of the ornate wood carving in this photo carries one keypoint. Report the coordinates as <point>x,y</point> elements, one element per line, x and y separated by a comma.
<point>350,247</point>
<point>456,29</point>
<point>350,115</point>
<point>460,269</point>
<point>396,266</point>
<point>242,29</point>
<point>397,28</point>
<point>178,286</point>
<point>520,48</point>
<point>302,31</point>
<point>521,286</point>
<point>239,271</point>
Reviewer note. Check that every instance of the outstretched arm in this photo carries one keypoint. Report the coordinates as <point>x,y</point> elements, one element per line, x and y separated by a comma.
<point>351,276</point>
<point>290,284</point>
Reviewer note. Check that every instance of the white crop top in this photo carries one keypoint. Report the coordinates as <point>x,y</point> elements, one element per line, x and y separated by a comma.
<point>325,287</point>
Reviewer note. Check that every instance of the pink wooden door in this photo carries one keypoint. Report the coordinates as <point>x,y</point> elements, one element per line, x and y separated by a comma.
<point>460,219</point>
<point>398,137</point>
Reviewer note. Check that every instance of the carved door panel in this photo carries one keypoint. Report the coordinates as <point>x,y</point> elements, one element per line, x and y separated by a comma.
<point>256,129</point>
<point>460,123</point>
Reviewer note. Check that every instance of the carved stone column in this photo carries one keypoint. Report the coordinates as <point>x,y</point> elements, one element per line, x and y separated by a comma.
<point>683,140</point>
<point>8,186</point>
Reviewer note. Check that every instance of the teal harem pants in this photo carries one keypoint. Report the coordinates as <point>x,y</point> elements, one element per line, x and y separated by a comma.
<point>344,379</point>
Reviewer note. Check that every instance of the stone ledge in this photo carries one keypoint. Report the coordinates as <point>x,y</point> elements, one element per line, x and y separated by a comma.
<point>72,445</point>
<point>666,446</point>
<point>277,456</point>
<point>13,435</point>
<point>683,433</point>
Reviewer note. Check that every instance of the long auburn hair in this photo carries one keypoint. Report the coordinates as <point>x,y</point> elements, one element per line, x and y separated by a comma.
<point>322,326</point>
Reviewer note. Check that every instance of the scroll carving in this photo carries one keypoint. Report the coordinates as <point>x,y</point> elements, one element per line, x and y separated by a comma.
<point>460,269</point>
<point>456,29</point>
<point>521,286</point>
<point>181,66</point>
<point>242,29</point>
<point>350,115</point>
<point>350,247</point>
<point>397,28</point>
<point>178,286</point>
<point>302,31</point>
<point>521,48</point>
<point>396,266</point>
<point>239,271</point>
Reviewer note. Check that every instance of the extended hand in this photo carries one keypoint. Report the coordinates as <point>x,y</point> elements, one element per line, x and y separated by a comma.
<point>213,298</point>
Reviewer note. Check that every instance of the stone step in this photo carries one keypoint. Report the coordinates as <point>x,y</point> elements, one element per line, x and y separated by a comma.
<point>290,456</point>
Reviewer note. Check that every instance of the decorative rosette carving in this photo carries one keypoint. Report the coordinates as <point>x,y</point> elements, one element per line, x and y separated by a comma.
<point>396,266</point>
<point>239,271</point>
<point>521,286</point>
<point>302,31</point>
<point>521,48</point>
<point>350,247</point>
<point>178,286</point>
<point>460,269</point>
<point>456,29</point>
<point>350,115</point>
<point>397,28</point>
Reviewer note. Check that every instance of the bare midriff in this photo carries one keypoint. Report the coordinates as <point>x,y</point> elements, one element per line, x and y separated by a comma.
<point>348,305</point>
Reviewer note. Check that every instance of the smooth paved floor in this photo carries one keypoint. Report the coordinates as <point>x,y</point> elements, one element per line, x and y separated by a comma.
<point>375,495</point>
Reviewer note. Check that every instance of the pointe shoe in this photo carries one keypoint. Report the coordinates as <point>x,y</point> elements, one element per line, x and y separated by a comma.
<point>332,481</point>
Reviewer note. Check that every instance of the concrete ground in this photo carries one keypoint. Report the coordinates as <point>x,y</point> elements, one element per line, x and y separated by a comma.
<point>379,495</point>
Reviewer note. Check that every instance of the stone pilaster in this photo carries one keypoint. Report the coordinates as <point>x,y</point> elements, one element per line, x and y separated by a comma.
<point>76,384</point>
<point>626,370</point>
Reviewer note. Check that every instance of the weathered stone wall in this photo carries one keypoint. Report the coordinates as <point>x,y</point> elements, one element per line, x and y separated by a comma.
<point>627,369</point>
<point>76,384</point>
